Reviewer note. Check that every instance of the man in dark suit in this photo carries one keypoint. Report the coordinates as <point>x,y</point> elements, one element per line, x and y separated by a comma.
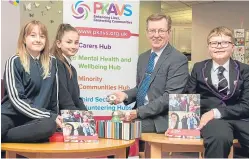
<point>160,71</point>
<point>223,84</point>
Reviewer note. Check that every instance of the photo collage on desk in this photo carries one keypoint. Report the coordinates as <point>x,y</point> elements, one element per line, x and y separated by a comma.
<point>78,126</point>
<point>184,111</point>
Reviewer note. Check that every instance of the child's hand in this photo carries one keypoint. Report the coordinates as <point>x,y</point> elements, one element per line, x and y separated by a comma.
<point>58,121</point>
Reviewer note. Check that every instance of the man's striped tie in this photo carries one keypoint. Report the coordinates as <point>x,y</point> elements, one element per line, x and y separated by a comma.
<point>142,90</point>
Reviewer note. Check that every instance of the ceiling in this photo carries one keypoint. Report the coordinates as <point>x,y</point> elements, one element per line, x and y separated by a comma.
<point>180,11</point>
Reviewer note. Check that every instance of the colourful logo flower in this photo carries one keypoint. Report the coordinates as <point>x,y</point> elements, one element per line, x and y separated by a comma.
<point>15,3</point>
<point>80,10</point>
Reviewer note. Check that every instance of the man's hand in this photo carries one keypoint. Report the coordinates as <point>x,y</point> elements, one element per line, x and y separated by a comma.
<point>130,115</point>
<point>205,119</point>
<point>58,121</point>
<point>120,97</point>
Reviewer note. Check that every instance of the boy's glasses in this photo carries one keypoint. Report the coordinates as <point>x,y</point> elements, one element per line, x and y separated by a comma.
<point>215,44</point>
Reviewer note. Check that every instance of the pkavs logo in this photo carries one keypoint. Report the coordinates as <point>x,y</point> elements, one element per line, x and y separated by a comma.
<point>80,10</point>
<point>14,2</point>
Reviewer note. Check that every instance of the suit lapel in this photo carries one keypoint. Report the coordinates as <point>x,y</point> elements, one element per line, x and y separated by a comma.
<point>206,72</point>
<point>160,61</point>
<point>233,78</point>
<point>232,75</point>
<point>144,63</point>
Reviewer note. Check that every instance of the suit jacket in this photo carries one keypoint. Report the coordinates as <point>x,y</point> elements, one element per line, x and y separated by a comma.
<point>233,106</point>
<point>170,75</point>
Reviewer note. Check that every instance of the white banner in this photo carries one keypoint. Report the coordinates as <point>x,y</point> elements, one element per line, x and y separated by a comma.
<point>107,58</point>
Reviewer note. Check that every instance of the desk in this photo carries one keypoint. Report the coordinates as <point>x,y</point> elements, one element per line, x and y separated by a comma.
<point>104,147</point>
<point>160,143</point>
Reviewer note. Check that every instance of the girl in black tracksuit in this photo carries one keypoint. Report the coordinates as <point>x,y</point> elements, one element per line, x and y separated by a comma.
<point>66,44</point>
<point>29,106</point>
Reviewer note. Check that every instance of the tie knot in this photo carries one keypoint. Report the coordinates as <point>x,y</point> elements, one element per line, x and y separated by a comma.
<point>221,69</point>
<point>153,55</point>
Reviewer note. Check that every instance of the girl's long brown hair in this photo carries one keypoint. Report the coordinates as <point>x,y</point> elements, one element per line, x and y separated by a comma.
<point>22,51</point>
<point>55,50</point>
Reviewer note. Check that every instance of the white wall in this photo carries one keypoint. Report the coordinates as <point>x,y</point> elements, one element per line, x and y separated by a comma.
<point>13,17</point>
<point>10,24</point>
<point>210,15</point>
<point>146,9</point>
<point>46,17</point>
<point>181,37</point>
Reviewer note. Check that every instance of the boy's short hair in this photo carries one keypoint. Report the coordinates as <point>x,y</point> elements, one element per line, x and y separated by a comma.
<point>221,30</point>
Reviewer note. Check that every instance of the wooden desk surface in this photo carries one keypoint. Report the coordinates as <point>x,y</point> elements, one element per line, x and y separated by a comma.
<point>161,138</point>
<point>61,147</point>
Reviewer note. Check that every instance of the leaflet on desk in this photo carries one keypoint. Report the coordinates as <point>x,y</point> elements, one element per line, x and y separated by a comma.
<point>78,126</point>
<point>184,115</point>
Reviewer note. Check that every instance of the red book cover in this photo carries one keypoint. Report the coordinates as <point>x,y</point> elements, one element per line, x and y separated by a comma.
<point>78,126</point>
<point>183,133</point>
<point>184,115</point>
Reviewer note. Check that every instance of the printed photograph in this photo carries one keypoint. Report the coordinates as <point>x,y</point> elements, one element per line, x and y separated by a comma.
<point>239,41</point>
<point>239,33</point>
<point>184,115</point>
<point>182,120</point>
<point>178,102</point>
<point>77,124</point>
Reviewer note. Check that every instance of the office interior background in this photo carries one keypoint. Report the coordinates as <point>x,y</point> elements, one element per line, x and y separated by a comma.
<point>192,21</point>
